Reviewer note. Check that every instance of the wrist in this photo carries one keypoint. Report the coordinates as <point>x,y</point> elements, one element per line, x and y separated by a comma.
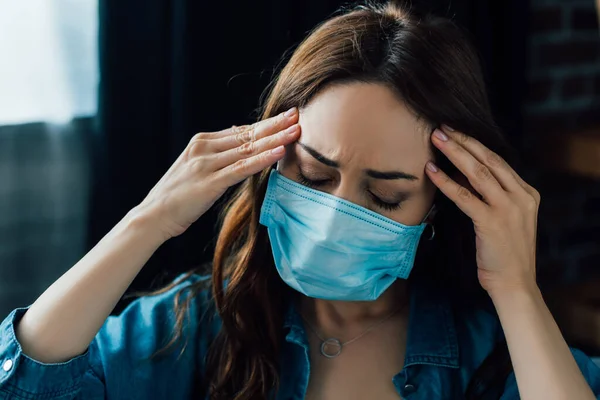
<point>147,221</point>
<point>514,292</point>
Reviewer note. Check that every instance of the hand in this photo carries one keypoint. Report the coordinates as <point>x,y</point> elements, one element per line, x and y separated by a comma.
<point>210,164</point>
<point>505,218</point>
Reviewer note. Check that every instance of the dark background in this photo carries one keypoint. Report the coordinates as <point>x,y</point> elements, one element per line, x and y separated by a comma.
<point>170,69</point>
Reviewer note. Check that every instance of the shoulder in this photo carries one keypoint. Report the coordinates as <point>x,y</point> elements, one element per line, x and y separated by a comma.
<point>148,324</point>
<point>164,301</point>
<point>152,318</point>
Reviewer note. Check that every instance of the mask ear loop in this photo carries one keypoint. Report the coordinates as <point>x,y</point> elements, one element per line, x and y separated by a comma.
<point>432,232</point>
<point>430,214</point>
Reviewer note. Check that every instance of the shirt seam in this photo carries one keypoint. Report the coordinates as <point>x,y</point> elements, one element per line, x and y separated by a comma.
<point>12,389</point>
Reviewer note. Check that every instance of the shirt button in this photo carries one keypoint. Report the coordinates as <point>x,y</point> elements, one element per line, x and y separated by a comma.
<point>7,365</point>
<point>409,388</point>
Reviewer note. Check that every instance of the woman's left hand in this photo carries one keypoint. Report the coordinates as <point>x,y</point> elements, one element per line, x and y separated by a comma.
<point>505,218</point>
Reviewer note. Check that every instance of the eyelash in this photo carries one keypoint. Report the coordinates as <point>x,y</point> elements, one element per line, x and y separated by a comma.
<point>310,182</point>
<point>380,203</point>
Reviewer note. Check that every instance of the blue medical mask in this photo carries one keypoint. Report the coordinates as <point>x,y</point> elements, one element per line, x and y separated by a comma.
<point>329,248</point>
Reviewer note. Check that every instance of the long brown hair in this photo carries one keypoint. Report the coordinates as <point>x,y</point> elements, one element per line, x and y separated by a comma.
<point>430,66</point>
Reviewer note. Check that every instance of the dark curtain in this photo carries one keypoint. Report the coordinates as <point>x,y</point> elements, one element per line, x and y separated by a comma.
<point>43,206</point>
<point>172,68</point>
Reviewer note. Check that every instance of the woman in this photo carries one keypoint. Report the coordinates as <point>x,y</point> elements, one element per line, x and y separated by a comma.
<point>317,290</point>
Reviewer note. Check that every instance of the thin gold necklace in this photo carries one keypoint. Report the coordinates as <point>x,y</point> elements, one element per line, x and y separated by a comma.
<point>337,344</point>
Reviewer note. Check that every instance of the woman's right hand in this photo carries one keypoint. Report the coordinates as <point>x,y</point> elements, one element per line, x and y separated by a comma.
<point>210,164</point>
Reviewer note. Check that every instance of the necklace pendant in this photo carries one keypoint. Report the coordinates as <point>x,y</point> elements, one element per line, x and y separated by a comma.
<point>331,348</point>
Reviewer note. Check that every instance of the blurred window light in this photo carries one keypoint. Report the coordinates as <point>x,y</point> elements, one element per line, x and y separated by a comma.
<point>48,60</point>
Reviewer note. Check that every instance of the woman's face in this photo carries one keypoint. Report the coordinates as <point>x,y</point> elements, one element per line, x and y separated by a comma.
<point>360,143</point>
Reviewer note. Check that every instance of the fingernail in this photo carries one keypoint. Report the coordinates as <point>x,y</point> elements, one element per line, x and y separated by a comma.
<point>440,135</point>
<point>449,128</point>
<point>432,167</point>
<point>278,151</point>
<point>292,130</point>
<point>290,112</point>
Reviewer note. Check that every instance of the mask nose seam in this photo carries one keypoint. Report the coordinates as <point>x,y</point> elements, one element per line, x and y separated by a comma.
<point>284,185</point>
<point>344,211</point>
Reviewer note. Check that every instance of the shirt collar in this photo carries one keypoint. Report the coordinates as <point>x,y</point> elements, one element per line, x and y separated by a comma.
<point>431,329</point>
<point>293,321</point>
<point>431,338</point>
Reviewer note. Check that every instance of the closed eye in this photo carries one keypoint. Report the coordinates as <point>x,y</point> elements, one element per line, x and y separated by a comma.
<point>311,183</point>
<point>316,183</point>
<point>384,204</point>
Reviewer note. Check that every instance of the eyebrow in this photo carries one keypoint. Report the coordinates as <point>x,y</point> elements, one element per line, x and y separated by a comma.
<point>387,175</point>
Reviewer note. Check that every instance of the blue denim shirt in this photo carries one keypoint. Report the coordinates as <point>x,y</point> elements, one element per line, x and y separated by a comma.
<point>443,350</point>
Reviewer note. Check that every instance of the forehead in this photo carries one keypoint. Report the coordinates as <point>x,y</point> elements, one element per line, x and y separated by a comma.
<point>365,123</point>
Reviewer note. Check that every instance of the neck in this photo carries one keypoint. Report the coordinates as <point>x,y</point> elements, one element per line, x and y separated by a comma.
<point>343,316</point>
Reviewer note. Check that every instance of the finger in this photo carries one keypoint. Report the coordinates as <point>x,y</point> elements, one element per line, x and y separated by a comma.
<point>479,175</point>
<point>504,174</point>
<point>246,167</point>
<point>236,136</point>
<point>249,149</point>
<point>460,195</point>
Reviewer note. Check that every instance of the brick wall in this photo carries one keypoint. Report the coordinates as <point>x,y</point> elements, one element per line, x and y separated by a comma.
<point>564,65</point>
<point>564,97</point>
